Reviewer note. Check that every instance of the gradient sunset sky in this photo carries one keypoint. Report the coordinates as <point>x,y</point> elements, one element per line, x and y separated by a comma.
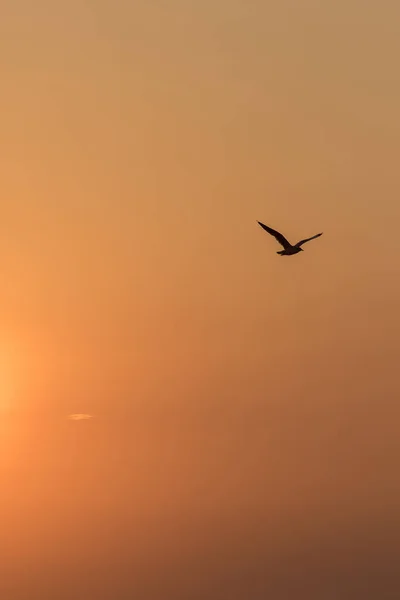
<point>235,415</point>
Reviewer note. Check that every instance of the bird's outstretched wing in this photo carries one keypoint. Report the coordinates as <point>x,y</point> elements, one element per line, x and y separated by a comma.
<point>278,236</point>
<point>307,240</point>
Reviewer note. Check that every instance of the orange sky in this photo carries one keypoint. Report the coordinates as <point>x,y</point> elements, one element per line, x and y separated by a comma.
<point>244,440</point>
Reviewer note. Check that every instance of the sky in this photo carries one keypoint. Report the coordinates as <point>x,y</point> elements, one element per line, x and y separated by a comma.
<point>184,413</point>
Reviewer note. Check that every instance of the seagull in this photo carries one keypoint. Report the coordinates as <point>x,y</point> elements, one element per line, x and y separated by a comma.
<point>288,248</point>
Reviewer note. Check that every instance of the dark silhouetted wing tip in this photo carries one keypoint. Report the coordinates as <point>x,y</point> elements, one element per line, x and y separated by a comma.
<point>308,239</point>
<point>278,236</point>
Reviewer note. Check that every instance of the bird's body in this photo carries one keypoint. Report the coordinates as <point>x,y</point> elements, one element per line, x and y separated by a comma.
<point>288,248</point>
<point>290,251</point>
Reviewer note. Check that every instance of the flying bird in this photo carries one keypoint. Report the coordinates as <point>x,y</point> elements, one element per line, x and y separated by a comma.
<point>288,249</point>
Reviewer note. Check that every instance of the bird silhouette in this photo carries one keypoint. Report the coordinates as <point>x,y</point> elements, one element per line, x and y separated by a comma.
<point>288,249</point>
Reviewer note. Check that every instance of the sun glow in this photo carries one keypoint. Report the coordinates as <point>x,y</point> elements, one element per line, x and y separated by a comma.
<point>7,384</point>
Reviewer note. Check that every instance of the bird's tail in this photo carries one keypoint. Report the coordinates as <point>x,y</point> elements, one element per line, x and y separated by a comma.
<point>281,252</point>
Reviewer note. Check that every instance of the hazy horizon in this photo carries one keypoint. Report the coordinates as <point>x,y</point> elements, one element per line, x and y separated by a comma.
<point>185,414</point>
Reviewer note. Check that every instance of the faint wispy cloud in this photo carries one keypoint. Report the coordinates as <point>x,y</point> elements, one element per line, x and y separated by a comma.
<point>80,417</point>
